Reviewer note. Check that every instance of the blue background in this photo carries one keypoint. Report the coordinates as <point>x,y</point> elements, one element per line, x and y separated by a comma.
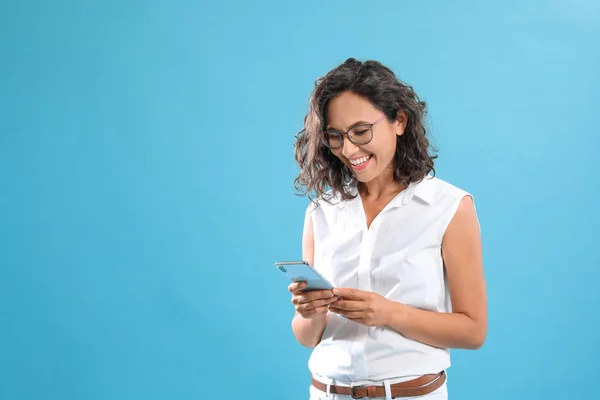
<point>146,169</point>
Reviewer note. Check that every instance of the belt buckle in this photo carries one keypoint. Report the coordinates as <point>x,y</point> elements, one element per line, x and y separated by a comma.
<point>354,396</point>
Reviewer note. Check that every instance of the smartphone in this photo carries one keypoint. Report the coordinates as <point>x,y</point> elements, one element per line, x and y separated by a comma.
<point>301,271</point>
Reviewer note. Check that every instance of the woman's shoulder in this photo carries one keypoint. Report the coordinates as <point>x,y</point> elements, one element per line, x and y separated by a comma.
<point>435,187</point>
<point>446,186</point>
<point>331,203</point>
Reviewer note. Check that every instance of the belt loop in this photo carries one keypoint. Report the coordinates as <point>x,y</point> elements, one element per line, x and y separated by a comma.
<point>388,389</point>
<point>329,383</point>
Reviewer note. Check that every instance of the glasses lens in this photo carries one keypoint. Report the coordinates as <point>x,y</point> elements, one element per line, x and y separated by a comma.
<point>361,134</point>
<point>333,139</point>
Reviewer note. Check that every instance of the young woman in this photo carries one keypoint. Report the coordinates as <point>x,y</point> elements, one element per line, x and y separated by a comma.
<point>401,246</point>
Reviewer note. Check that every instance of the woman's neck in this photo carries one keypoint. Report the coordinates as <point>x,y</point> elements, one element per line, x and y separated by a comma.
<point>380,187</point>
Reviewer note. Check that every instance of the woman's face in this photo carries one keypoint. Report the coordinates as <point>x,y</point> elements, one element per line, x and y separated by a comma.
<point>371,160</point>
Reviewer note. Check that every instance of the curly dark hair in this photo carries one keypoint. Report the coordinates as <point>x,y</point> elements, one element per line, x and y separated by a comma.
<point>320,169</point>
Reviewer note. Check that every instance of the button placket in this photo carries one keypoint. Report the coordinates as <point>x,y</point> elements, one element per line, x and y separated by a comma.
<point>364,267</point>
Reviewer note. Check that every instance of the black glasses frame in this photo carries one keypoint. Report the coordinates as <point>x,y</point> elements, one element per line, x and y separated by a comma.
<point>342,134</point>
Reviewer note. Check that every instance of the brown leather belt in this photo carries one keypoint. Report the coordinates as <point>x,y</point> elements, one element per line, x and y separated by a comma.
<point>415,387</point>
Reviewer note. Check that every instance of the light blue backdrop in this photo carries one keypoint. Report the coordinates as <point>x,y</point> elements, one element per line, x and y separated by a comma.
<point>146,170</point>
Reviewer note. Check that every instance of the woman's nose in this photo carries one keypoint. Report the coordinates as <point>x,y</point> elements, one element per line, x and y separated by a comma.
<point>348,148</point>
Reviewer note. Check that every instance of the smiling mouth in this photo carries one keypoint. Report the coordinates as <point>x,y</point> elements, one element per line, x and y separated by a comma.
<point>358,164</point>
<point>360,161</point>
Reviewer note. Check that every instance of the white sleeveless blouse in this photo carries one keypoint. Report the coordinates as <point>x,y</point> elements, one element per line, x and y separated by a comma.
<point>399,257</point>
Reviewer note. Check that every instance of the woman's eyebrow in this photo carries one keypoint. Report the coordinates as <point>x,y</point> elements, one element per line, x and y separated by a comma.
<point>350,127</point>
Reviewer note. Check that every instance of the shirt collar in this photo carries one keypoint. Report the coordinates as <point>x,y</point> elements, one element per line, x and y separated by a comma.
<point>423,190</point>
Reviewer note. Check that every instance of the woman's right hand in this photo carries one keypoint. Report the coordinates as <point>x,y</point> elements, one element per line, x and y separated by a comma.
<point>310,304</point>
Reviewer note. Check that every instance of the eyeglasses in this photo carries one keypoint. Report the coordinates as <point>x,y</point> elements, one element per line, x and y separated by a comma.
<point>359,135</point>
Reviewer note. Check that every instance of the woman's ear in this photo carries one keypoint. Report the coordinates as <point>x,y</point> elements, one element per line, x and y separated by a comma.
<point>400,123</point>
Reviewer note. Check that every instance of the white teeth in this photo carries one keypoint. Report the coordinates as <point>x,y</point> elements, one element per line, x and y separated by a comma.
<point>360,161</point>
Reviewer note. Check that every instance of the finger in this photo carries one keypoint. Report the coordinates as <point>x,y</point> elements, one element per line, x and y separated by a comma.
<point>347,314</point>
<point>315,304</point>
<point>314,312</point>
<point>306,297</point>
<point>349,293</point>
<point>350,305</point>
<point>296,286</point>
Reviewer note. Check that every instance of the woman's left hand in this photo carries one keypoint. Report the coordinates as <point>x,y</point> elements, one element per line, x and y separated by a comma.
<point>366,308</point>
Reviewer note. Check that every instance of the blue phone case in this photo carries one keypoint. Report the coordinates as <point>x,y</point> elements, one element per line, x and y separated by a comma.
<point>301,271</point>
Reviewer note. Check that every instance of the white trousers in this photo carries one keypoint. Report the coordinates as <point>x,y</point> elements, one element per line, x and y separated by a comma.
<point>440,393</point>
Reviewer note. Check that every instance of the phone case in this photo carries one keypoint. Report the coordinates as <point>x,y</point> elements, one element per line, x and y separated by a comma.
<point>298,271</point>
